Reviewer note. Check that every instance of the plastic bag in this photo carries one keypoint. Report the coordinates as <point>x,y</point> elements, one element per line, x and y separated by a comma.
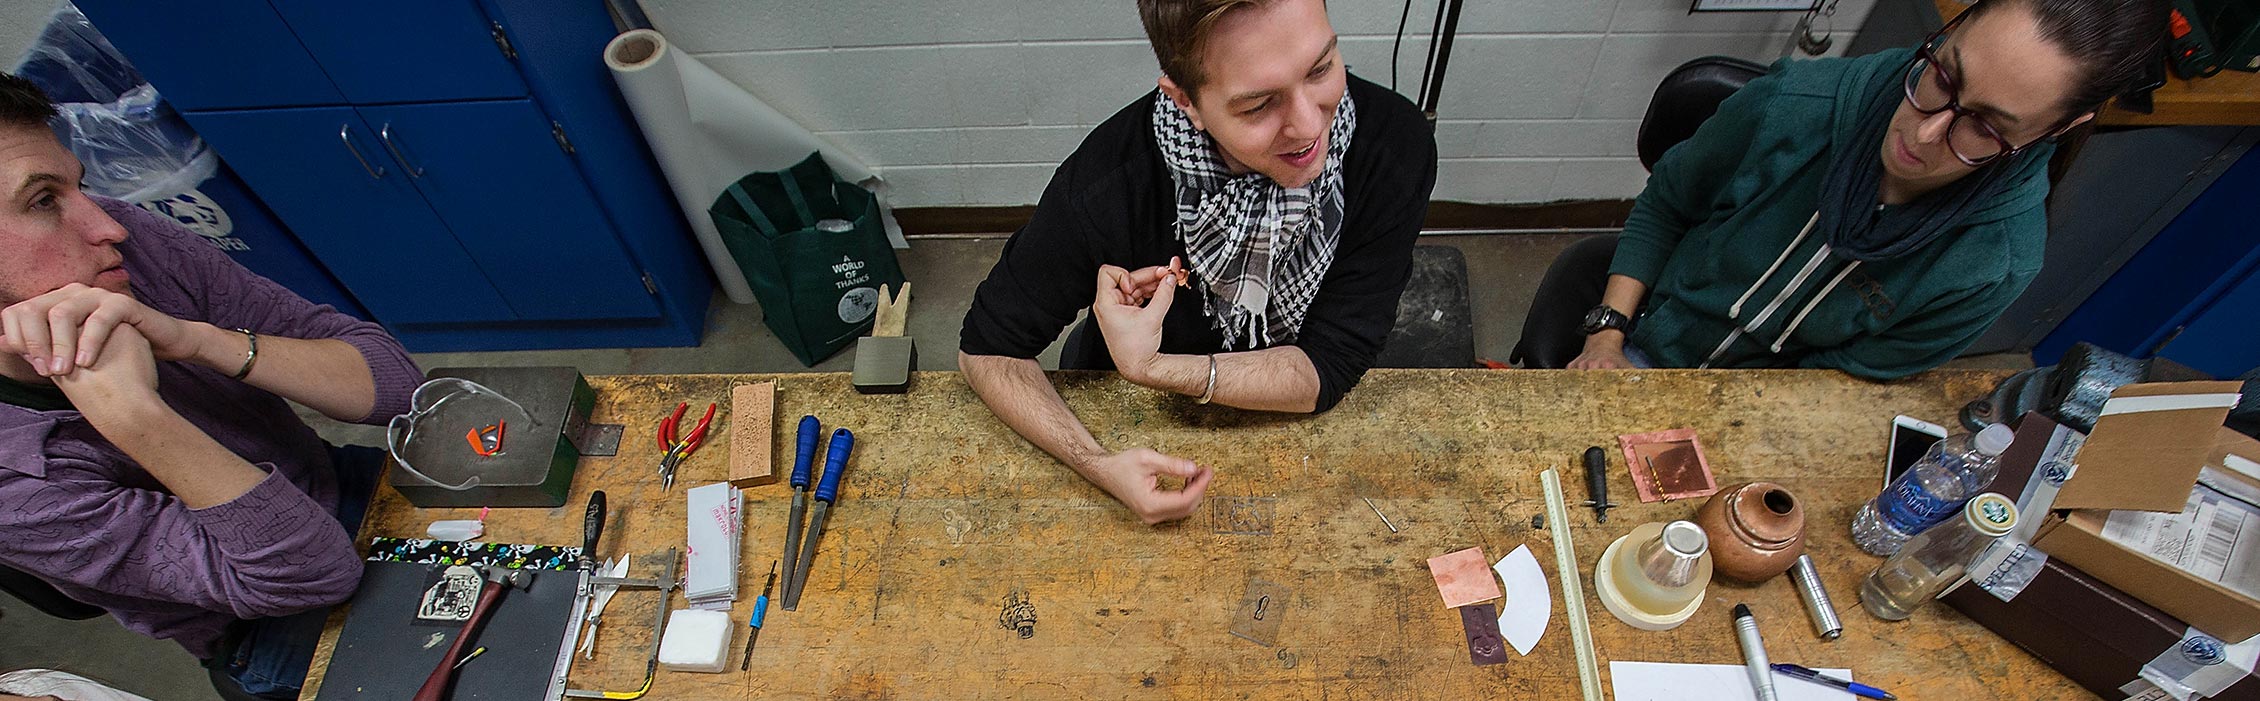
<point>133,145</point>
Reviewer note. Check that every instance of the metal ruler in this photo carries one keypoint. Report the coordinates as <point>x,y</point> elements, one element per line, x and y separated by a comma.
<point>1573,587</point>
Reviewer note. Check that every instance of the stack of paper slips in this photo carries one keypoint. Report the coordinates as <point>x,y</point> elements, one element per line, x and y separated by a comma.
<point>711,577</point>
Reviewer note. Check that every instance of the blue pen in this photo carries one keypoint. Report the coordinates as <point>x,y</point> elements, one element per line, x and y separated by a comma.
<point>1856,688</point>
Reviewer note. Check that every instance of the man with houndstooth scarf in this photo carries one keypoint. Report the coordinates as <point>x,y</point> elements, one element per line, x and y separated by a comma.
<point>1276,190</point>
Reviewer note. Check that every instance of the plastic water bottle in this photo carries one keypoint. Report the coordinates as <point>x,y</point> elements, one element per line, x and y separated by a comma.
<point>1936,558</point>
<point>1932,491</point>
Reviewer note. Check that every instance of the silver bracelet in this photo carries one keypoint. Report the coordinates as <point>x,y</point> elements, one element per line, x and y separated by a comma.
<point>250,356</point>
<point>1210,392</point>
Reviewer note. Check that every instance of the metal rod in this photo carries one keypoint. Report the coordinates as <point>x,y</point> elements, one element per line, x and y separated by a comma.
<point>1377,512</point>
<point>1443,57</point>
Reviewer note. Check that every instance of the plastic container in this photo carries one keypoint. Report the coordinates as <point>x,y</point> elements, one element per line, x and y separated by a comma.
<point>1936,558</point>
<point>1654,577</point>
<point>1932,491</point>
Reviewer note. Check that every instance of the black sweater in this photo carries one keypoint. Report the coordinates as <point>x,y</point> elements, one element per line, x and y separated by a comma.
<point>1112,202</point>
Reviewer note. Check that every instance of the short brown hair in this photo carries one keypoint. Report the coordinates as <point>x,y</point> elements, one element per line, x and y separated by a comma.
<point>23,104</point>
<point>1178,30</point>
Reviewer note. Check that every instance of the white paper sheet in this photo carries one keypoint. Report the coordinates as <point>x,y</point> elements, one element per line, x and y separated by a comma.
<point>1522,619</point>
<point>1664,681</point>
<point>707,132</point>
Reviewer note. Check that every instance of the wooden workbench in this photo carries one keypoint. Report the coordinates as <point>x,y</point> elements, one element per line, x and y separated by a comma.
<point>945,516</point>
<point>2228,98</point>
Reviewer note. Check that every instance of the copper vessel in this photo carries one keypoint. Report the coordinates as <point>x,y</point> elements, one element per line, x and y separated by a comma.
<point>1757,530</point>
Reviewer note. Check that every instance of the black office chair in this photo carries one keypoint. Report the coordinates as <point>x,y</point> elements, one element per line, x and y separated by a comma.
<point>32,590</point>
<point>1688,96</point>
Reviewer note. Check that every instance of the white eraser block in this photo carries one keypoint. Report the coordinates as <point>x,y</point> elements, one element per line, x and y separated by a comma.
<point>696,641</point>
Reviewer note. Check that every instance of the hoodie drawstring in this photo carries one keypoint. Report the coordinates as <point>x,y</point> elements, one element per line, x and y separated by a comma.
<point>1734,313</point>
<point>1795,321</point>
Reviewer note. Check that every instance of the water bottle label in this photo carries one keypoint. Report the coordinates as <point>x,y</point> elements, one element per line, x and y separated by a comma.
<point>1909,508</point>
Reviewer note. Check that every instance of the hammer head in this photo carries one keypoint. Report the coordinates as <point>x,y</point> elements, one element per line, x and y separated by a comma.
<point>509,578</point>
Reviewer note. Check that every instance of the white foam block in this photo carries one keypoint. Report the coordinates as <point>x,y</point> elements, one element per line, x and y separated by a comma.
<point>696,641</point>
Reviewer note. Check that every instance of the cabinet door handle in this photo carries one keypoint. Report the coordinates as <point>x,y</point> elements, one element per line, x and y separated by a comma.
<point>384,134</point>
<point>345,134</point>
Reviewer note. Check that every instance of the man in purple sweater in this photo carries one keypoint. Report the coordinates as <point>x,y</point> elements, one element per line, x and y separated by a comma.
<point>148,463</point>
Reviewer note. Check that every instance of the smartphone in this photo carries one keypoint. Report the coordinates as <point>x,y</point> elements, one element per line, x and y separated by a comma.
<point>1910,438</point>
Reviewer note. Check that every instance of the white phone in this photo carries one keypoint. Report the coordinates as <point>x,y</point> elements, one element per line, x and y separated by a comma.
<point>1910,438</point>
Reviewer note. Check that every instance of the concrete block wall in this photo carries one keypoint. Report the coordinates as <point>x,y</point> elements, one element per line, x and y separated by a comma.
<point>975,102</point>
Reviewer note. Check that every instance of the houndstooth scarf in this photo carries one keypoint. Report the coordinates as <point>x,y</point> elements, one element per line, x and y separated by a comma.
<point>1260,249</point>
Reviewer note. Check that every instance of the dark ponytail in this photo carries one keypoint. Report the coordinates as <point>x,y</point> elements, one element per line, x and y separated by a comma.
<point>2115,42</point>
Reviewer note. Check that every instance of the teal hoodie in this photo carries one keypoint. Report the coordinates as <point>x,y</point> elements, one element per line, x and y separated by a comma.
<point>1733,282</point>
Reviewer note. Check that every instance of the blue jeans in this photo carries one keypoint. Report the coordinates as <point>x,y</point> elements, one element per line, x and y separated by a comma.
<point>272,658</point>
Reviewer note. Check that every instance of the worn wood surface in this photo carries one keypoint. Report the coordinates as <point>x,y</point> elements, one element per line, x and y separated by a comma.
<point>2228,98</point>
<point>945,515</point>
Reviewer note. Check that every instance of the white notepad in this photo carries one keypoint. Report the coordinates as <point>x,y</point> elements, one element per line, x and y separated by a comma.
<point>712,541</point>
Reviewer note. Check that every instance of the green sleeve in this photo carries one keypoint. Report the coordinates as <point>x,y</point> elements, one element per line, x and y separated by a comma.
<point>1688,183</point>
<point>1926,340</point>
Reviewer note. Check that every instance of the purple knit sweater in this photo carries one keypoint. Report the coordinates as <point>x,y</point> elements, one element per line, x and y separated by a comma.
<point>79,513</point>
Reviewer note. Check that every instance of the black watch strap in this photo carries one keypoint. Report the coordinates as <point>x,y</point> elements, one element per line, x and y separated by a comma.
<point>1602,318</point>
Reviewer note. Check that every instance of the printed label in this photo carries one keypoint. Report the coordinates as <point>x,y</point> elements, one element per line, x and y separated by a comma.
<point>198,213</point>
<point>2215,536</point>
<point>858,304</point>
<point>1995,512</point>
<point>2202,650</point>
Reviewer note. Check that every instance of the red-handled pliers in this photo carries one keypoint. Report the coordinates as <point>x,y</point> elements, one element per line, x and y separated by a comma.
<point>678,446</point>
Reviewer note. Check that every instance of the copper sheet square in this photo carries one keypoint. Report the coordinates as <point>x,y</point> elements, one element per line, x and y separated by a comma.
<point>1668,465</point>
<point>1464,577</point>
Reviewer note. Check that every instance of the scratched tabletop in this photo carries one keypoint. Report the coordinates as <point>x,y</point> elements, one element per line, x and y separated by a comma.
<point>951,533</point>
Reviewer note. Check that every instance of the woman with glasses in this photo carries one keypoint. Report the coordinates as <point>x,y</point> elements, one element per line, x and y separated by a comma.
<point>1871,214</point>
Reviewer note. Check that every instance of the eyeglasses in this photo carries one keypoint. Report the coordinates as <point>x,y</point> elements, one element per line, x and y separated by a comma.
<point>1930,90</point>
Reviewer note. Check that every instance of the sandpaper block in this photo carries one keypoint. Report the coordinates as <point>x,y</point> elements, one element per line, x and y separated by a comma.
<point>752,411</point>
<point>883,359</point>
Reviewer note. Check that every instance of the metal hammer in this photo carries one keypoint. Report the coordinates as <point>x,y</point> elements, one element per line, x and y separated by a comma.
<point>497,580</point>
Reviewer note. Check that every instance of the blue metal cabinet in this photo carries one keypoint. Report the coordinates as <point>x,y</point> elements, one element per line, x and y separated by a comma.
<point>508,201</point>
<point>2225,339</point>
<point>2192,294</point>
<point>323,171</point>
<point>420,51</point>
<point>214,54</point>
<point>518,205</point>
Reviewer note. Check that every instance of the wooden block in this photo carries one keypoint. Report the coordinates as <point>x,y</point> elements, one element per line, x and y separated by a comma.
<point>753,409</point>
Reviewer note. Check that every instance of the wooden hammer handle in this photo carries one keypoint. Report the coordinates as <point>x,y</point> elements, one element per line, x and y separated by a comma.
<point>435,686</point>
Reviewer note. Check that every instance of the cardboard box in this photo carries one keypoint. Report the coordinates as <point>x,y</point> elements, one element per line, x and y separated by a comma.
<point>2146,453</point>
<point>2097,636</point>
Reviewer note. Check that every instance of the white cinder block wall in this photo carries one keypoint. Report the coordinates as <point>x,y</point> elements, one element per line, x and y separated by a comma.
<point>975,102</point>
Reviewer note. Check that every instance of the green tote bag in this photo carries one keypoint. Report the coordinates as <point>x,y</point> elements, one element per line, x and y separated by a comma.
<point>813,249</point>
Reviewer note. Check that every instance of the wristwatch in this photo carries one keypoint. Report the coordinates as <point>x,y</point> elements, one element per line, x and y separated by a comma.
<point>1603,318</point>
